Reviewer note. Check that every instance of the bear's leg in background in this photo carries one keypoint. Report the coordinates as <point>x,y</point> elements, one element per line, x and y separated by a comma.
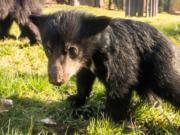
<point>147,94</point>
<point>85,80</point>
<point>117,107</point>
<point>5,26</point>
<point>170,92</point>
<point>31,31</point>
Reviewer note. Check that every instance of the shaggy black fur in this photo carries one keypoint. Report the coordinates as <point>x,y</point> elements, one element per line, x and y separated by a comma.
<point>125,55</point>
<point>19,10</point>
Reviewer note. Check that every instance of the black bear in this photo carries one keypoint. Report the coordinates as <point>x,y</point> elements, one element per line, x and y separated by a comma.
<point>125,55</point>
<point>19,10</point>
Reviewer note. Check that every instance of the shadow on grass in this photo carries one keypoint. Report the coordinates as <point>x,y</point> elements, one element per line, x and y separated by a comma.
<point>26,114</point>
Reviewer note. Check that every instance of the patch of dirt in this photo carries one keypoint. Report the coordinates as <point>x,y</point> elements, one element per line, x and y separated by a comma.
<point>62,129</point>
<point>49,3</point>
<point>176,13</point>
<point>59,129</point>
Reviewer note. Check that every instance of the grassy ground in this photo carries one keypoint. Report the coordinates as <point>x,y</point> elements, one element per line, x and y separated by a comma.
<point>23,78</point>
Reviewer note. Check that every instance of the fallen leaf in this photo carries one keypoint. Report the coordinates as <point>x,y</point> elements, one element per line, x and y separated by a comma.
<point>48,121</point>
<point>5,105</point>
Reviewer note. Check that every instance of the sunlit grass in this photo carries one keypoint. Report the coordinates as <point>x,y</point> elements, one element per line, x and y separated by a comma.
<point>23,78</point>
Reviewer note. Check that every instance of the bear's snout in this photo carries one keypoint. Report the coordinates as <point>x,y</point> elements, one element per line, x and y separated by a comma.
<point>56,80</point>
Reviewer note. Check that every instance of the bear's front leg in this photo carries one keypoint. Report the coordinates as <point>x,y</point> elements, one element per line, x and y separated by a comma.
<point>85,80</point>
<point>117,106</point>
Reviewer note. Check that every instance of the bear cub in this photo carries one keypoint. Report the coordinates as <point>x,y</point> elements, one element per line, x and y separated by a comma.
<point>125,55</point>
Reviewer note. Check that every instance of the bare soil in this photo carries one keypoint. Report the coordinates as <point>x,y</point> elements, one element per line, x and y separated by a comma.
<point>49,3</point>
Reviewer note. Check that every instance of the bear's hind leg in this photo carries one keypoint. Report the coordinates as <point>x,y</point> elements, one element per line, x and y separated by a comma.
<point>118,107</point>
<point>170,92</point>
<point>148,94</point>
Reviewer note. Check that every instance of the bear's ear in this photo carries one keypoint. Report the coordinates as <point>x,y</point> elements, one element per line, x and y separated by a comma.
<point>94,25</point>
<point>38,20</point>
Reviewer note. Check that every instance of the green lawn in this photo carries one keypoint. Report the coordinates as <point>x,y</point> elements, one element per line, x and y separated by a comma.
<point>23,78</point>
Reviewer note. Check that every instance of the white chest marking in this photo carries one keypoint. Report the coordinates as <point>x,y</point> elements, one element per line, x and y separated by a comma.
<point>92,66</point>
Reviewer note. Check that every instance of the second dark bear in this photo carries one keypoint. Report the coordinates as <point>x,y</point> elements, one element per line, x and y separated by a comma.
<point>19,10</point>
<point>125,55</point>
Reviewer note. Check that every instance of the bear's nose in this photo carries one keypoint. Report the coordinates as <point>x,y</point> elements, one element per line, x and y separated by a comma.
<point>56,81</point>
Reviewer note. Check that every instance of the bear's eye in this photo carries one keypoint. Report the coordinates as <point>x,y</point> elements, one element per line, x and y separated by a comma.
<point>47,51</point>
<point>73,52</point>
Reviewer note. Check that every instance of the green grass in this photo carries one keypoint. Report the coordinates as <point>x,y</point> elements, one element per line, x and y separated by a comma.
<point>23,78</point>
